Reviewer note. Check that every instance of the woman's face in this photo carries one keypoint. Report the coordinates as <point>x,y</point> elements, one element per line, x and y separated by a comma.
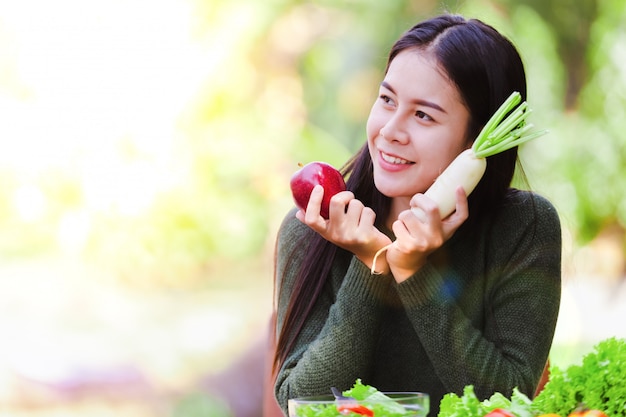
<point>416,127</point>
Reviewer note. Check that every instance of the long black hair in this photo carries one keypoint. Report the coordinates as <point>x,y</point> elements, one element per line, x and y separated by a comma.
<point>486,68</point>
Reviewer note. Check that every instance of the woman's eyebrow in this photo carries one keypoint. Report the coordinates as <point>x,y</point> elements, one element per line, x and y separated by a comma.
<point>417,101</point>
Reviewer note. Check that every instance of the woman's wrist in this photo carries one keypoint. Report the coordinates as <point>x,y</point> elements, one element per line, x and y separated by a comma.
<point>377,264</point>
<point>375,261</point>
<point>401,274</point>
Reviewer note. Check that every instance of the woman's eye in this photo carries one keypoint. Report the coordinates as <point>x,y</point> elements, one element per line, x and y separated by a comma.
<point>422,115</point>
<point>386,99</point>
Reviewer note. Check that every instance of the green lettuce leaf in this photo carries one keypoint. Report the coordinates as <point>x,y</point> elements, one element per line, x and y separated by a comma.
<point>599,382</point>
<point>468,405</point>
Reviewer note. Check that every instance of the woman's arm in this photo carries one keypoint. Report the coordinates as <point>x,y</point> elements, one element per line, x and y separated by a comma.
<point>337,342</point>
<point>518,301</point>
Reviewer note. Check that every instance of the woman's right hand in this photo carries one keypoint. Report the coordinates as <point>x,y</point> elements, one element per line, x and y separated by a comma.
<point>350,226</point>
<point>416,239</point>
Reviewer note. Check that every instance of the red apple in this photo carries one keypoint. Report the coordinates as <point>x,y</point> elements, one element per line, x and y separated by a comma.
<point>312,174</point>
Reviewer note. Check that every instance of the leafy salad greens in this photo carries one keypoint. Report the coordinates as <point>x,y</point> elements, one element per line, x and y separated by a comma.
<point>598,383</point>
<point>468,405</point>
<point>381,404</point>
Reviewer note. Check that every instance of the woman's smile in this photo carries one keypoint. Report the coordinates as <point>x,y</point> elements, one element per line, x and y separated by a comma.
<point>394,160</point>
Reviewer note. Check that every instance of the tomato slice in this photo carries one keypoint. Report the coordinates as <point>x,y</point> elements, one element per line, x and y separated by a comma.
<point>499,412</point>
<point>585,412</point>
<point>355,408</point>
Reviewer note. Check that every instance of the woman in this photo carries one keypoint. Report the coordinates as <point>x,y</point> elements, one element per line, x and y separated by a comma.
<point>469,299</point>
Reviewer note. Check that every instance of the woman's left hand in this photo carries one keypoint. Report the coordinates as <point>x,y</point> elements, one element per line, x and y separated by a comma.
<point>415,240</point>
<point>350,225</point>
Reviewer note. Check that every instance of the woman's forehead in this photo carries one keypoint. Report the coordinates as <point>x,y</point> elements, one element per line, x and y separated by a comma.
<point>417,72</point>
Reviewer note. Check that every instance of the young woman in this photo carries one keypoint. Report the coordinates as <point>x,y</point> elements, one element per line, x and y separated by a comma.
<point>469,299</point>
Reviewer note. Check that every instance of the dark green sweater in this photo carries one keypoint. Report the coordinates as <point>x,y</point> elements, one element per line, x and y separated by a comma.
<point>483,312</point>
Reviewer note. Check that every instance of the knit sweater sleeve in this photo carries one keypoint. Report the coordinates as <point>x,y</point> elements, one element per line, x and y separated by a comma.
<point>515,298</point>
<point>337,343</point>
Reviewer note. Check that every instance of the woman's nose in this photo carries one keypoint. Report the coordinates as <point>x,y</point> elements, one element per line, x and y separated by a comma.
<point>395,131</point>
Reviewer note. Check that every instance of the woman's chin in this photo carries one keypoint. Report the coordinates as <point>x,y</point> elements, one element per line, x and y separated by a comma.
<point>393,190</point>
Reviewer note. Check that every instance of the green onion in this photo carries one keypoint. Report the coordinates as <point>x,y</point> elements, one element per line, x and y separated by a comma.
<point>500,134</point>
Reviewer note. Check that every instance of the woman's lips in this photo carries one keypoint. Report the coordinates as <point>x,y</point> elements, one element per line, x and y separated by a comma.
<point>393,159</point>
<point>394,163</point>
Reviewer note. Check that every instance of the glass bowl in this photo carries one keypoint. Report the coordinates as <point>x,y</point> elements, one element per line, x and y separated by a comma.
<point>409,404</point>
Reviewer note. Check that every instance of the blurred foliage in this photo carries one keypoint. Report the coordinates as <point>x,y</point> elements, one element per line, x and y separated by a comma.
<point>582,164</point>
<point>292,82</point>
<point>200,405</point>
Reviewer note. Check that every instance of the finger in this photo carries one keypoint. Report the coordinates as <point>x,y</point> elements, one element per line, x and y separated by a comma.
<point>416,209</point>
<point>424,208</point>
<point>400,230</point>
<point>368,216</point>
<point>300,215</point>
<point>461,213</point>
<point>415,200</point>
<point>343,198</point>
<point>338,203</point>
<point>462,206</point>
<point>312,213</point>
<point>412,223</point>
<point>354,208</point>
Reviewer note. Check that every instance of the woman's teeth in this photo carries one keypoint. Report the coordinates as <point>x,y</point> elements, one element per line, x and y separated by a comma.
<point>393,159</point>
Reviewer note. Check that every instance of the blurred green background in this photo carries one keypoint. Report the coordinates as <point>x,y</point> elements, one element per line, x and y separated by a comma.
<point>146,154</point>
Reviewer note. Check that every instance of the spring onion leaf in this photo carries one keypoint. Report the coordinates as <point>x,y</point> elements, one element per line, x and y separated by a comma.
<point>502,132</point>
